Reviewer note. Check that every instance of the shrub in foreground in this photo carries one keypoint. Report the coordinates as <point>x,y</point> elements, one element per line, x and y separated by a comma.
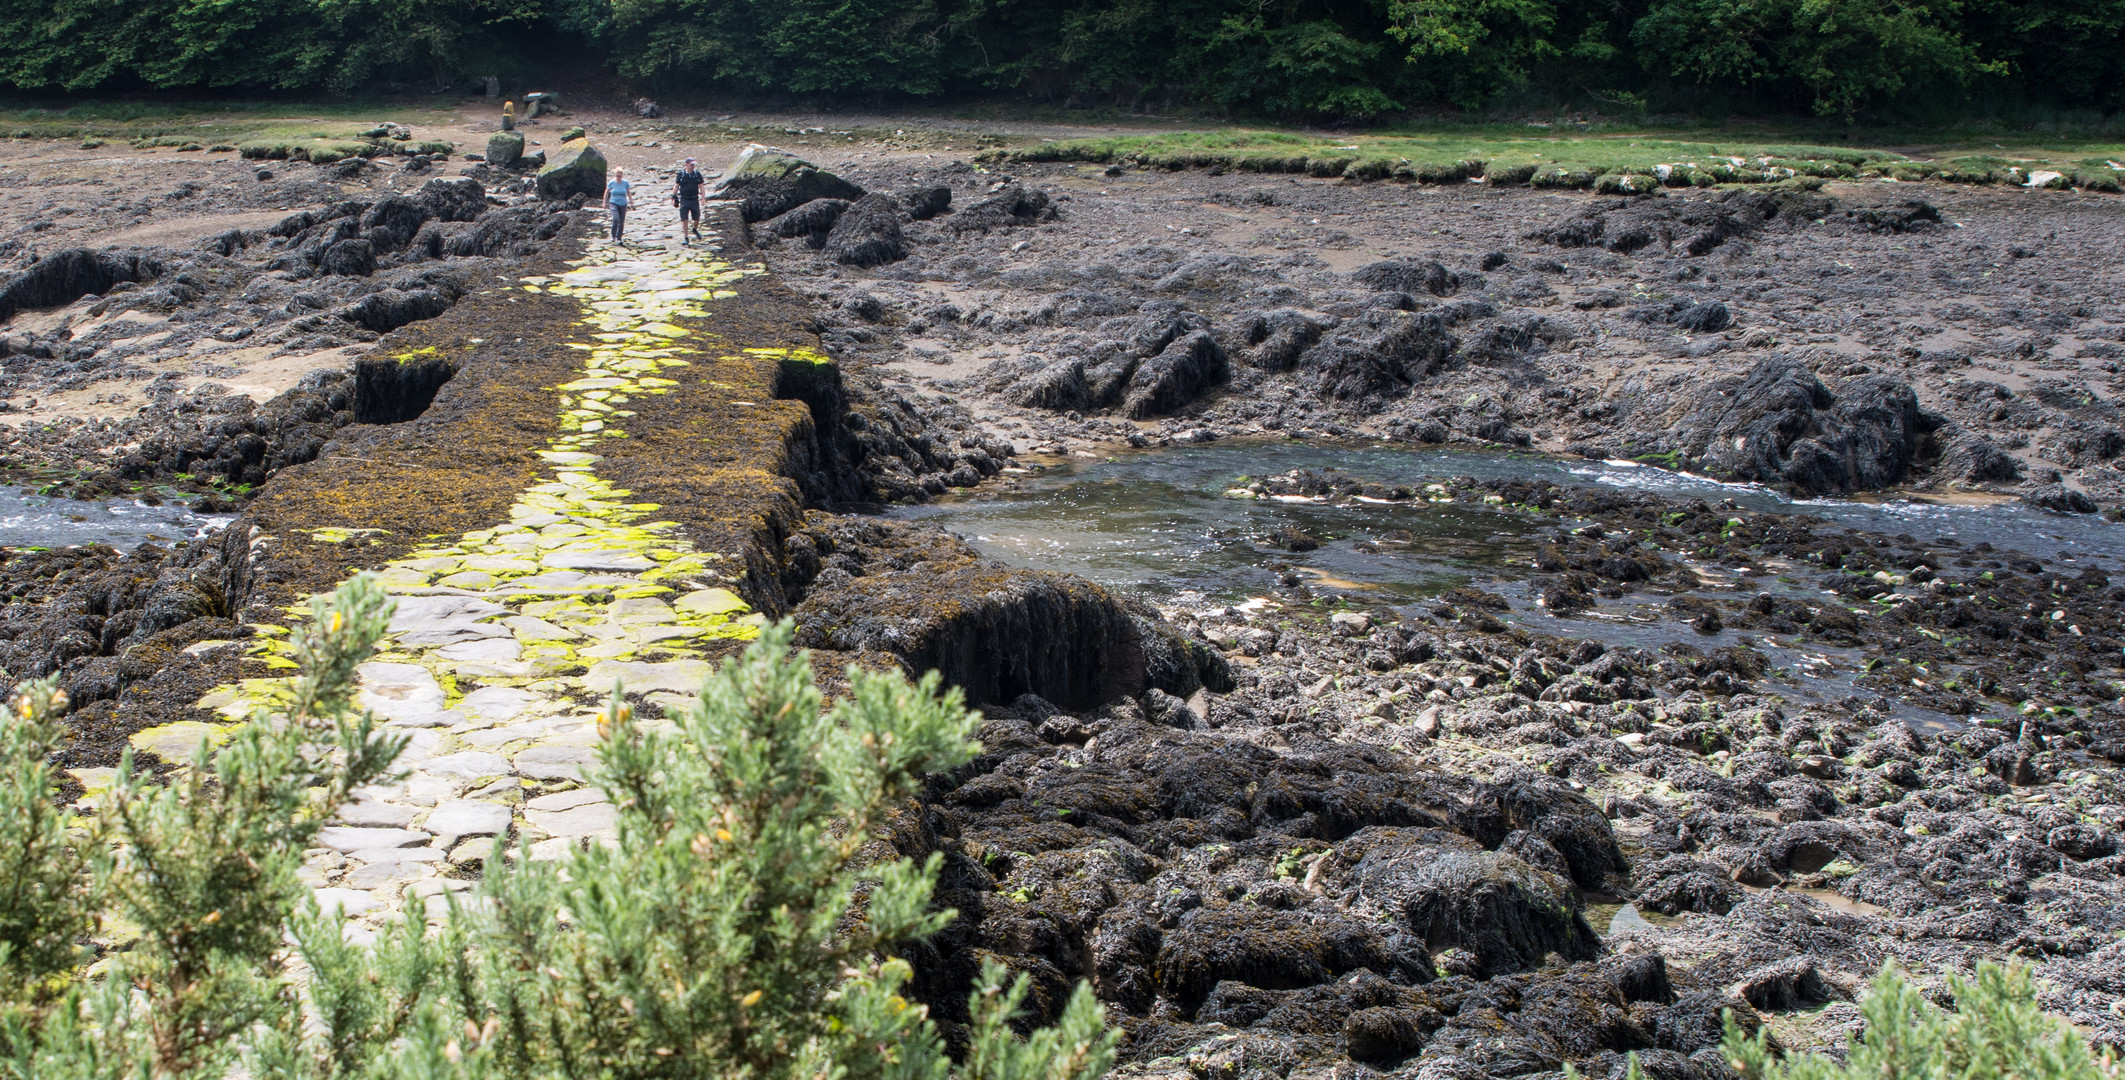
<point>1995,1032</point>
<point>742,925</point>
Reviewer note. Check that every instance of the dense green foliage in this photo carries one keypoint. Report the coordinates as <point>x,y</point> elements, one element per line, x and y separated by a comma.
<point>741,926</point>
<point>1301,58</point>
<point>1995,1032</point>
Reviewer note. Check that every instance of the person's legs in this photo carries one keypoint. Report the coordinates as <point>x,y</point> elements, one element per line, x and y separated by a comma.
<point>619,222</point>
<point>690,219</point>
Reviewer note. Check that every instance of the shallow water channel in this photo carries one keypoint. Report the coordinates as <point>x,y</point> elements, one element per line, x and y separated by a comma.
<point>1157,522</point>
<point>40,521</point>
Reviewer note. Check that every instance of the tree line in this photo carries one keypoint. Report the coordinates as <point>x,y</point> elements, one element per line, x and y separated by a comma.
<point>1306,59</point>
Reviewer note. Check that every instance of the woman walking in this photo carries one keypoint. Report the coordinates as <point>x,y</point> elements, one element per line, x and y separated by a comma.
<point>616,194</point>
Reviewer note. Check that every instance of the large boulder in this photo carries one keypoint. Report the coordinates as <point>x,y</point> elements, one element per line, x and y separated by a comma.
<point>577,169</point>
<point>504,148</point>
<point>767,182</point>
<point>868,233</point>
<point>348,258</point>
<point>1012,206</point>
<point>1405,276</point>
<point>1174,377</point>
<point>455,199</point>
<point>1780,425</point>
<point>392,222</point>
<point>1451,894</point>
<point>66,276</point>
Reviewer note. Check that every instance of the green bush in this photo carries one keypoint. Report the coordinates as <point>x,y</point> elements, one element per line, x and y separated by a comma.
<point>1996,1032</point>
<point>721,936</point>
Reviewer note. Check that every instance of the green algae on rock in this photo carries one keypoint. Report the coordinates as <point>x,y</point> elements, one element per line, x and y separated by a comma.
<point>577,169</point>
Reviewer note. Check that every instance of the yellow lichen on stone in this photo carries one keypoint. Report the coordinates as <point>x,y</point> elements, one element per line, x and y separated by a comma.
<point>580,573</point>
<point>179,742</point>
<point>336,535</point>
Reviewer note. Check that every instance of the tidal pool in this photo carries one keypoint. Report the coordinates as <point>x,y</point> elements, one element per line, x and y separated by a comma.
<point>1158,523</point>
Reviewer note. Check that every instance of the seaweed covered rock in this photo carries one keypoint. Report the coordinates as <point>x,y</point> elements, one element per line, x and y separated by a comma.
<point>867,233</point>
<point>388,309</point>
<point>1176,376</point>
<point>811,221</point>
<point>577,169</point>
<point>1265,948</point>
<point>1277,339</point>
<point>1779,424</point>
<point>2060,499</point>
<point>1705,318</point>
<point>504,148</point>
<point>1014,206</point>
<point>66,276</point>
<point>1454,895</point>
<point>1404,276</point>
<point>348,258</point>
<point>767,182</point>
<point>1564,820</point>
<point>455,198</point>
<point>1692,226</point>
<point>998,632</point>
<point>1970,458</point>
<point>1379,356</point>
<point>924,203</point>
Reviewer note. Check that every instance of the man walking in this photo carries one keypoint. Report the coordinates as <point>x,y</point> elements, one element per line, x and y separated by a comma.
<point>686,192</point>
<point>616,199</point>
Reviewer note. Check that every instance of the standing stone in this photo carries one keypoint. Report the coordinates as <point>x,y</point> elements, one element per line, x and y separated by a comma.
<point>491,86</point>
<point>577,168</point>
<point>504,148</point>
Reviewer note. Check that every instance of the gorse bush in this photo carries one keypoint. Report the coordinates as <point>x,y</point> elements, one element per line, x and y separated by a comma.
<point>1995,1032</point>
<point>741,926</point>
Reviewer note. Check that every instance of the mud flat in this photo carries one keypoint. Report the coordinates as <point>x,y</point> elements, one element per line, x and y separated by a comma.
<point>1830,338</point>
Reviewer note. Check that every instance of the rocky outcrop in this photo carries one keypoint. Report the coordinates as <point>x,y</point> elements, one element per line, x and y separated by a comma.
<point>1014,206</point>
<point>1403,276</point>
<point>997,632</point>
<point>2060,499</point>
<point>766,182</point>
<point>867,233</point>
<point>66,276</point>
<point>1780,425</point>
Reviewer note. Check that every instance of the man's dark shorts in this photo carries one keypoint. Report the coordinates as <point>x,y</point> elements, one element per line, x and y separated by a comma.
<point>690,210</point>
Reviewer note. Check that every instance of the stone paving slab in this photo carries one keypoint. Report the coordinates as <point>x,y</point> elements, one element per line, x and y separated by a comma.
<point>578,574</point>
